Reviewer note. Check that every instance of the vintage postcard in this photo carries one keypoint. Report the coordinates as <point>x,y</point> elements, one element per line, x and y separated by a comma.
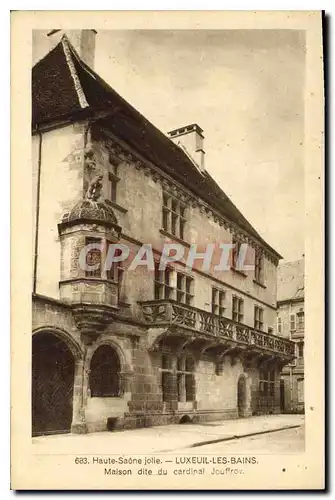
<point>167,250</point>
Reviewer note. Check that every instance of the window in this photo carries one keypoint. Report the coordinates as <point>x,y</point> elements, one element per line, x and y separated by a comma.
<point>292,322</point>
<point>259,267</point>
<point>185,379</point>
<point>120,273</point>
<point>184,289</point>
<point>279,325</point>
<point>267,383</point>
<point>105,373</point>
<point>300,350</point>
<point>235,252</point>
<point>218,299</point>
<point>115,271</point>
<point>237,309</point>
<point>173,216</point>
<point>93,258</point>
<point>113,165</point>
<point>163,288</point>
<point>178,384</point>
<point>258,318</point>
<point>113,181</point>
<point>300,320</point>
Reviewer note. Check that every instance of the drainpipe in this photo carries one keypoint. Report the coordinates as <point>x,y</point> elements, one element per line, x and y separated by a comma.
<point>37,209</point>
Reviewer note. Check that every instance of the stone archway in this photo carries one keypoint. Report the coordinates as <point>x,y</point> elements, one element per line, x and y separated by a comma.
<point>53,371</point>
<point>242,402</point>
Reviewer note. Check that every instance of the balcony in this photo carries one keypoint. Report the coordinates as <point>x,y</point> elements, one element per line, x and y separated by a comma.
<point>195,324</point>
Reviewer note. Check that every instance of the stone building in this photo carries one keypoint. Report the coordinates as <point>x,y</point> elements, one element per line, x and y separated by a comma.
<point>291,325</point>
<point>121,347</point>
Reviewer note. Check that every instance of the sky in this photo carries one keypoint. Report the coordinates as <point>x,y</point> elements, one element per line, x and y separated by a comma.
<point>245,89</point>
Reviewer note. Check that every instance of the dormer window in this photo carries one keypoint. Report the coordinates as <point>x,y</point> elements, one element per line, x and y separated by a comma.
<point>259,267</point>
<point>112,186</point>
<point>235,252</point>
<point>113,178</point>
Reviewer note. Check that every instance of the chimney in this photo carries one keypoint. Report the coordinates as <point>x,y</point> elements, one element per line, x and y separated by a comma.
<point>83,42</point>
<point>191,139</point>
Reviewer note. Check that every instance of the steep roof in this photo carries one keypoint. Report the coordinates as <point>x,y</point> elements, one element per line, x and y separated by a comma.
<point>64,87</point>
<point>290,280</point>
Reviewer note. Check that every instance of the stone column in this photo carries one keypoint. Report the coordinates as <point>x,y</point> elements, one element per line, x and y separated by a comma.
<point>173,390</point>
<point>181,381</point>
<point>248,396</point>
<point>219,366</point>
<point>126,377</point>
<point>78,425</point>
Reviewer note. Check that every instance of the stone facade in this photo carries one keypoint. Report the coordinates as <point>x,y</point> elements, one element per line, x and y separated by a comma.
<point>140,404</point>
<point>113,349</point>
<point>290,325</point>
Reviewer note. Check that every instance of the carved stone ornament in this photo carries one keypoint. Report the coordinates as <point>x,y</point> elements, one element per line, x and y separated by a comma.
<point>91,321</point>
<point>90,209</point>
<point>89,159</point>
<point>94,189</point>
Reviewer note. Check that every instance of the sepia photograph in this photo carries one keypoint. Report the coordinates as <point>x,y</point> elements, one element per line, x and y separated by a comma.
<point>169,253</point>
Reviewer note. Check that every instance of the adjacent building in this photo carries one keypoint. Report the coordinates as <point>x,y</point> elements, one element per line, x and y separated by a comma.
<point>122,347</point>
<point>291,325</point>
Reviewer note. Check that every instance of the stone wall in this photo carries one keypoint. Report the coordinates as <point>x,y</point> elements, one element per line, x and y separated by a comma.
<point>293,392</point>
<point>139,213</point>
<point>285,310</point>
<point>142,197</point>
<point>61,186</point>
<point>293,374</point>
<point>141,403</point>
<point>217,392</point>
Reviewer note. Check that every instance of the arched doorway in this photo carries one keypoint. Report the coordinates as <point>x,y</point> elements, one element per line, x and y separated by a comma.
<point>241,396</point>
<point>52,384</point>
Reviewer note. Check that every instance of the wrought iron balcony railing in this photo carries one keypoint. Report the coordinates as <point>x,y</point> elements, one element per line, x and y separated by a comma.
<point>169,313</point>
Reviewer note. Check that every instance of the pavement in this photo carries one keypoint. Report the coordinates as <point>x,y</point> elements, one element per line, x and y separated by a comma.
<point>284,442</point>
<point>164,439</point>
